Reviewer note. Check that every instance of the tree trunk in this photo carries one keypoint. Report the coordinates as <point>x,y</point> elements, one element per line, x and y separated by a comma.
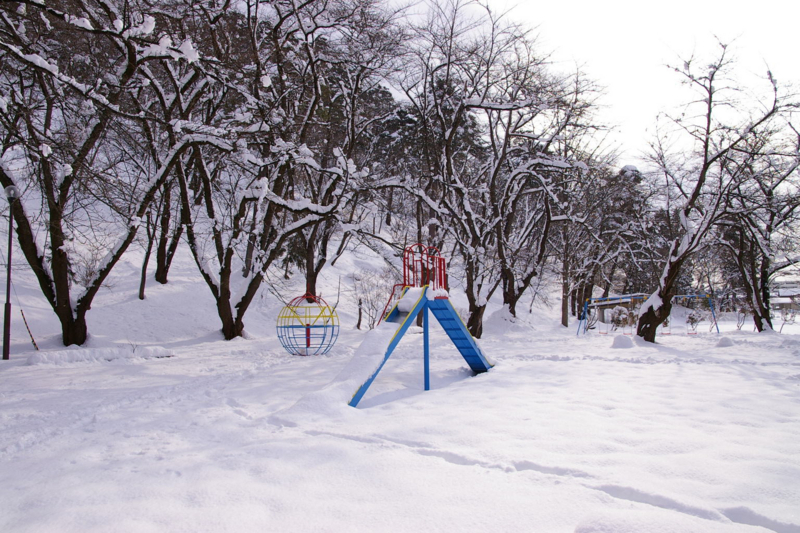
<point>150,237</point>
<point>760,312</point>
<point>565,292</point>
<point>654,315</point>
<point>579,296</point>
<point>576,300</point>
<point>761,322</point>
<point>311,282</point>
<point>342,247</point>
<point>163,238</point>
<point>311,260</point>
<point>475,321</point>
<point>163,266</point>
<point>389,208</point>
<point>55,280</point>
<point>512,306</point>
<point>231,327</point>
<point>765,293</point>
<point>251,247</point>
<point>651,319</point>
<point>73,329</point>
<point>755,279</point>
<point>586,293</point>
<point>420,224</point>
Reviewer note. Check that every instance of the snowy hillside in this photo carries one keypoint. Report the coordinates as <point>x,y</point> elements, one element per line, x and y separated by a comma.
<point>159,425</point>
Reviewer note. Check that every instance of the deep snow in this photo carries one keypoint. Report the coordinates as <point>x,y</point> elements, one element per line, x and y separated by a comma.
<point>159,425</point>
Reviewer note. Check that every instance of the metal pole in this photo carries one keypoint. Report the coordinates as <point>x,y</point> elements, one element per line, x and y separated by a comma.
<point>426,347</point>
<point>7,316</point>
<point>713,314</point>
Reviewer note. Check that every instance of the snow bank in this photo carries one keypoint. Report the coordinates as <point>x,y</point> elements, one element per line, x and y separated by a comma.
<point>622,341</point>
<point>332,400</point>
<point>654,520</point>
<point>677,436</point>
<point>502,322</point>
<point>94,355</point>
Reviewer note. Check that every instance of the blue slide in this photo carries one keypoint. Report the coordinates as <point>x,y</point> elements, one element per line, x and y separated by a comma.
<point>403,315</point>
<point>454,327</point>
<point>353,380</point>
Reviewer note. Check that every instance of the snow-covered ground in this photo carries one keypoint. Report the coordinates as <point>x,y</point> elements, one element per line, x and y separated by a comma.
<point>160,426</point>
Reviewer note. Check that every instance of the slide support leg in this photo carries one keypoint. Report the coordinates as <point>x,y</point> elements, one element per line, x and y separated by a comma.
<point>427,348</point>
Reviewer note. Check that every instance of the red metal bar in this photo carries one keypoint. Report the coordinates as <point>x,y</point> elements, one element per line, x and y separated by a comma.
<point>422,265</point>
<point>391,301</point>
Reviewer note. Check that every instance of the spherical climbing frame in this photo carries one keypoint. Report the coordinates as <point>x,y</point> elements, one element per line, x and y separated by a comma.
<point>308,326</point>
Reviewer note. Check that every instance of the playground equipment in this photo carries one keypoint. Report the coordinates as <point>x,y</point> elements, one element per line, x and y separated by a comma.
<point>423,289</point>
<point>594,312</point>
<point>741,316</point>
<point>694,318</point>
<point>308,326</point>
<point>788,316</point>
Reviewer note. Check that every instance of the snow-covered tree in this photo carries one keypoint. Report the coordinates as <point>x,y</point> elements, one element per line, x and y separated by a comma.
<point>759,230</point>
<point>266,66</point>
<point>354,106</point>
<point>720,125</point>
<point>71,89</point>
<point>487,114</point>
<point>603,236</point>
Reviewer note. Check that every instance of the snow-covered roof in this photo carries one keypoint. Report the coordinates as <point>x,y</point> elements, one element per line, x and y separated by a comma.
<point>788,291</point>
<point>616,300</point>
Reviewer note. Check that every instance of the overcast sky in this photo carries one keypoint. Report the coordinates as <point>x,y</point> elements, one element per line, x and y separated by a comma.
<point>625,46</point>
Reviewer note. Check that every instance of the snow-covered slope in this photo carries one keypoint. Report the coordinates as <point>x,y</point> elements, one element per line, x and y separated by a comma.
<point>565,434</point>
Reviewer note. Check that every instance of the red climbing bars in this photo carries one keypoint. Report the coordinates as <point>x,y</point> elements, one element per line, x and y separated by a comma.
<point>422,265</point>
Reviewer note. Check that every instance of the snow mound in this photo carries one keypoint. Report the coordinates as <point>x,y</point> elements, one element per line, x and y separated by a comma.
<point>95,355</point>
<point>622,341</point>
<point>725,342</point>
<point>331,402</point>
<point>502,322</point>
<point>410,299</point>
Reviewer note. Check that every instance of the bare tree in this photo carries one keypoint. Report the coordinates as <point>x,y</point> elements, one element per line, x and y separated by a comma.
<point>241,208</point>
<point>601,233</point>
<point>69,88</point>
<point>353,105</point>
<point>759,229</point>
<point>489,117</point>
<point>720,125</point>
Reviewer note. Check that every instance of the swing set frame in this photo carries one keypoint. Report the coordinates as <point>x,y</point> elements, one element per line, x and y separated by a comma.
<point>584,321</point>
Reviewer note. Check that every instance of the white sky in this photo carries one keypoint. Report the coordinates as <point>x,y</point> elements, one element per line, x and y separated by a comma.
<point>625,46</point>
